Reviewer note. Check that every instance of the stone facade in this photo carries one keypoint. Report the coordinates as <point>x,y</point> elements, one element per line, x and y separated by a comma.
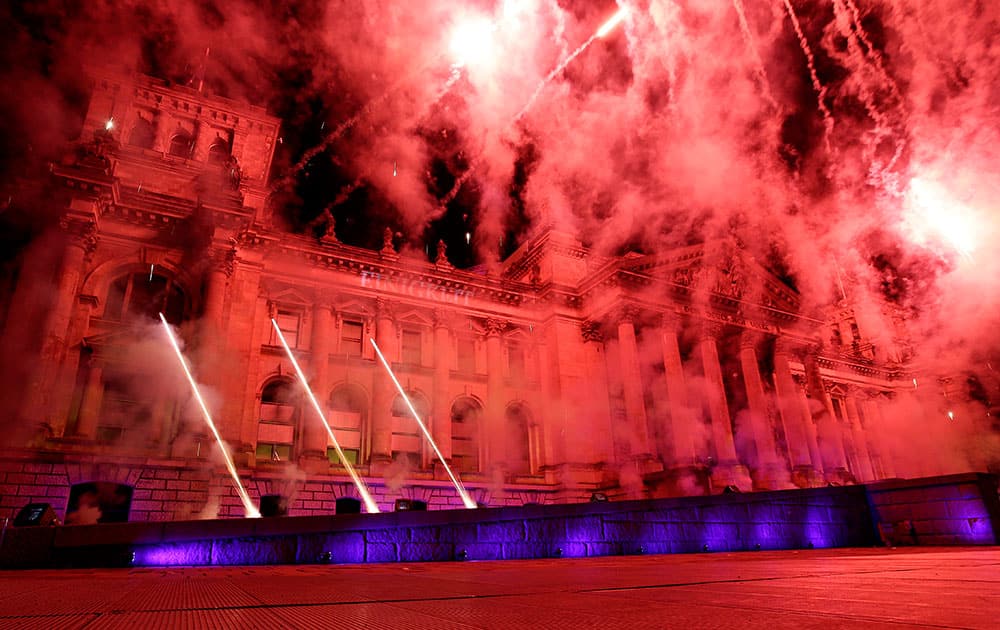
<point>560,374</point>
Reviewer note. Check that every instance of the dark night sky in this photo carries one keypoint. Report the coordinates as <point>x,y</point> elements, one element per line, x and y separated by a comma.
<point>285,55</point>
<point>834,141</point>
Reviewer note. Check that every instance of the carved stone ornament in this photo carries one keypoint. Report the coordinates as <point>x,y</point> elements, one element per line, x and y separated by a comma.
<point>225,261</point>
<point>386,309</point>
<point>443,318</point>
<point>329,227</point>
<point>387,246</point>
<point>495,327</point>
<point>442,254</point>
<point>710,330</point>
<point>672,322</point>
<point>82,233</point>
<point>591,331</point>
<point>628,314</point>
<point>750,339</point>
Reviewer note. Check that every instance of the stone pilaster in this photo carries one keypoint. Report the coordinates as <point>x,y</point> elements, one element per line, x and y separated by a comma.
<point>383,391</point>
<point>315,437</point>
<point>495,429</point>
<point>82,241</point>
<point>441,419</point>
<point>93,395</point>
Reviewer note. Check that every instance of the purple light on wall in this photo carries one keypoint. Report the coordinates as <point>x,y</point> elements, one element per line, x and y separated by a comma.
<point>173,555</point>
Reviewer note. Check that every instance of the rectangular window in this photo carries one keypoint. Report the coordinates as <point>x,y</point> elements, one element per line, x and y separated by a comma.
<point>273,452</point>
<point>350,453</point>
<point>288,322</point>
<point>466,356</point>
<point>351,337</point>
<point>411,347</point>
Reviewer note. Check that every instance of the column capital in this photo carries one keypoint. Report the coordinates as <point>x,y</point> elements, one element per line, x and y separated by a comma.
<point>591,331</point>
<point>787,346</point>
<point>628,314</point>
<point>750,339</point>
<point>495,327</point>
<point>443,318</point>
<point>82,232</point>
<point>224,260</point>
<point>385,309</point>
<point>710,330</point>
<point>671,321</point>
<point>324,299</point>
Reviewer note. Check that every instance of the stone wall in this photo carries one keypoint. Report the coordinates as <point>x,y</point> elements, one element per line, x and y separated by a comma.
<point>168,490</point>
<point>949,510</point>
<point>823,517</point>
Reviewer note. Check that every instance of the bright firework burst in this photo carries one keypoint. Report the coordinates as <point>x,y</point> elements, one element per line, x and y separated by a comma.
<point>933,216</point>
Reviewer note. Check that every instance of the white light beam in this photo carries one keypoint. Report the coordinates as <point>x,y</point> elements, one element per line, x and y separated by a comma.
<point>358,483</point>
<point>248,506</point>
<point>466,499</point>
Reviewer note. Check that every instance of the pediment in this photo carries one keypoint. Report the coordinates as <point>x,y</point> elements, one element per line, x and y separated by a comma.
<point>354,306</point>
<point>415,316</point>
<point>719,268</point>
<point>290,295</point>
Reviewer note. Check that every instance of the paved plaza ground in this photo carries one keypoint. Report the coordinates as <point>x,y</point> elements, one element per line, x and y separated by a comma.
<point>872,588</point>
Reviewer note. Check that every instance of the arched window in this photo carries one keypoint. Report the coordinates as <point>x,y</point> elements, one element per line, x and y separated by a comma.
<point>406,435</point>
<point>181,145</point>
<point>218,153</point>
<point>348,412</point>
<point>277,426</point>
<point>146,295</point>
<point>143,134</point>
<point>518,422</point>
<point>465,415</point>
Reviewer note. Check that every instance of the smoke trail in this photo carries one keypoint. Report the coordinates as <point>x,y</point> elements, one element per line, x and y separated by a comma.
<point>817,84</point>
<point>765,85</point>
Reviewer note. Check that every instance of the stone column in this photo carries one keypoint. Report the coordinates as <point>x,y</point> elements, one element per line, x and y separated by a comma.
<point>771,474</point>
<point>864,471</point>
<point>90,406</point>
<point>879,442</point>
<point>314,436</point>
<point>61,398</point>
<point>794,417</point>
<point>728,469</point>
<point>383,391</point>
<point>635,404</point>
<point>686,427</point>
<point>441,419</point>
<point>831,442</point>
<point>495,429</point>
<point>215,294</point>
<point>812,436</point>
<point>82,242</point>
<point>214,357</point>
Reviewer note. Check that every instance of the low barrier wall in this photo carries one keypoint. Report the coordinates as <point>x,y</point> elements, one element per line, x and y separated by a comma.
<point>959,509</point>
